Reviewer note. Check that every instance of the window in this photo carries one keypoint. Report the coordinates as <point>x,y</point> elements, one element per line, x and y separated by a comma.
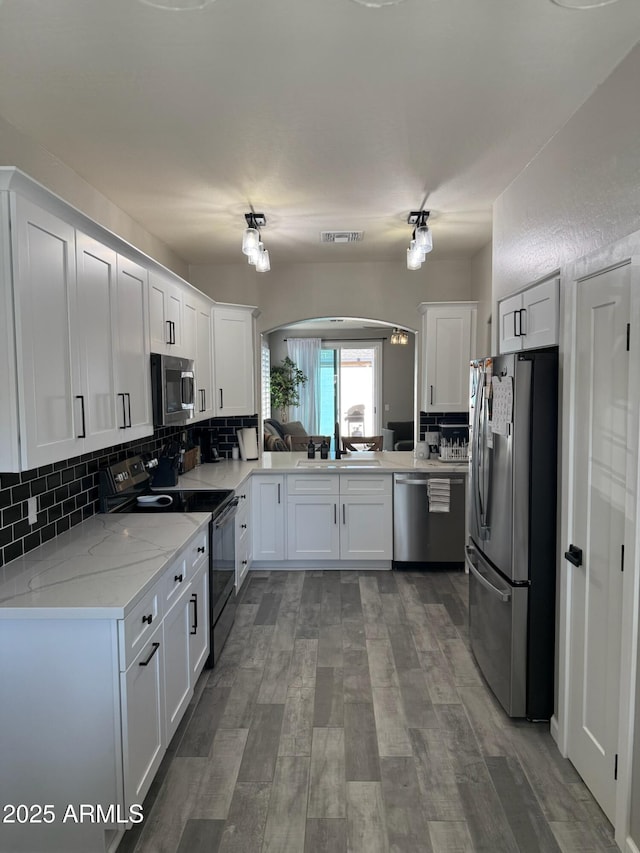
<point>266,380</point>
<point>350,387</point>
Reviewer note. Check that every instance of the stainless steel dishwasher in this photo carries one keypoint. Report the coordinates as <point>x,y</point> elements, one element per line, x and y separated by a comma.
<point>421,535</point>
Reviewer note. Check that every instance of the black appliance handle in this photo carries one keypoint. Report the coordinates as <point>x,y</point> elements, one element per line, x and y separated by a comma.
<point>186,383</point>
<point>227,515</point>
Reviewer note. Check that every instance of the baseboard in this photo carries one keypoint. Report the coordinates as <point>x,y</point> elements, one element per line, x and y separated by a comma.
<point>315,565</point>
<point>554,730</point>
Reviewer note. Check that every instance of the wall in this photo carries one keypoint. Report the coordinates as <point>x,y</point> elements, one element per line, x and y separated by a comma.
<point>378,291</point>
<point>68,492</point>
<point>578,195</point>
<point>397,366</point>
<point>18,150</point>
<point>481,292</point>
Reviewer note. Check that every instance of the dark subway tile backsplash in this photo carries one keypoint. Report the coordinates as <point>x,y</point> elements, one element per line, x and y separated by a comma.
<point>434,419</point>
<point>67,492</point>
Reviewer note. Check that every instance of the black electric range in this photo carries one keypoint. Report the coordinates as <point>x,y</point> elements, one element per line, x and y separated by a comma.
<point>127,486</point>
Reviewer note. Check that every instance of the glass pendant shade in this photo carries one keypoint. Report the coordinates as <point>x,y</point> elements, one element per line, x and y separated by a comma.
<point>250,241</point>
<point>377,4</point>
<point>262,263</point>
<point>424,240</point>
<point>414,259</point>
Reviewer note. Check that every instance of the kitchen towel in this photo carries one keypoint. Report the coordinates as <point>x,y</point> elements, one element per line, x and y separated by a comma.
<point>439,494</point>
<point>248,443</point>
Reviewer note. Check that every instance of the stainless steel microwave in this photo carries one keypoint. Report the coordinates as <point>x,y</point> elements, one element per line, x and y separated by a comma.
<point>173,389</point>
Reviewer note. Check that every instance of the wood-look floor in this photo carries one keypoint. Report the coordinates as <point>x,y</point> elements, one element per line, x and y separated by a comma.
<point>347,714</point>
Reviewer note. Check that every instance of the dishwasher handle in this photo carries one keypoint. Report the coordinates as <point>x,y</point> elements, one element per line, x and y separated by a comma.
<point>501,594</point>
<point>457,481</point>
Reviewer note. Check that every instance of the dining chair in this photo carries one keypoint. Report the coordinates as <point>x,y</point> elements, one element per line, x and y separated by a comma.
<point>362,442</point>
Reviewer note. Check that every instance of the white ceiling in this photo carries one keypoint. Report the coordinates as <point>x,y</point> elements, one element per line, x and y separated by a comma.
<point>322,114</point>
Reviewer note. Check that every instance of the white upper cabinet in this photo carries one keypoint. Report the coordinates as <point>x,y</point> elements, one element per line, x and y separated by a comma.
<point>233,360</point>
<point>44,291</point>
<point>198,326</point>
<point>132,351</point>
<point>448,339</point>
<point>166,316</point>
<point>530,319</point>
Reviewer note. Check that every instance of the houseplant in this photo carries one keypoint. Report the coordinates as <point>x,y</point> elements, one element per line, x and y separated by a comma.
<point>286,379</point>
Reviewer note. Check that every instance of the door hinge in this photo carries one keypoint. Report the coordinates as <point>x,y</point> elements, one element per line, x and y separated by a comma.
<point>615,769</point>
<point>622,558</point>
<point>628,335</point>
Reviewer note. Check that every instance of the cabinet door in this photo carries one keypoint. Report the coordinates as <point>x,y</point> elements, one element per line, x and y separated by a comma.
<point>132,353</point>
<point>189,326</point>
<point>448,352</point>
<point>199,625</point>
<point>313,528</point>
<point>205,397</point>
<point>97,318</point>
<point>165,316</point>
<point>366,531</point>
<point>540,314</point>
<point>46,341</point>
<point>178,688</point>
<point>509,318</point>
<point>142,708</point>
<point>244,544</point>
<point>267,519</point>
<point>233,361</point>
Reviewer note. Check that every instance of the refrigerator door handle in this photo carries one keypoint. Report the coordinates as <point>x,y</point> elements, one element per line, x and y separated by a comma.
<point>501,594</point>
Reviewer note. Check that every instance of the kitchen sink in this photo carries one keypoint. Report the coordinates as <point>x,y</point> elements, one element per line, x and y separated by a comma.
<point>338,463</point>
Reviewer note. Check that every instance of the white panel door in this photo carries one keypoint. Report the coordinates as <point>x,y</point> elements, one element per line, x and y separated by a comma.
<point>366,531</point>
<point>199,625</point>
<point>267,521</point>
<point>178,688</point>
<point>448,352</point>
<point>46,343</point>
<point>233,361</point>
<point>96,297</point>
<point>599,494</point>
<point>132,354</point>
<point>539,319</point>
<point>313,528</point>
<point>509,318</point>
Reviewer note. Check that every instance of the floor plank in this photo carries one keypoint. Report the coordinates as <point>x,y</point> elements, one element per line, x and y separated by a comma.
<point>346,713</point>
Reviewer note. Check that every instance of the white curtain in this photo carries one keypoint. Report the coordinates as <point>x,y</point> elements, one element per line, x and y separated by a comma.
<point>305,352</point>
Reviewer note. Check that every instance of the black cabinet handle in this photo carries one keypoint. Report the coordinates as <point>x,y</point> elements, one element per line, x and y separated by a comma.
<point>148,619</point>
<point>515,331</point>
<point>521,312</point>
<point>431,394</point>
<point>168,322</point>
<point>335,513</point>
<point>156,646</point>
<point>178,578</point>
<point>194,601</point>
<point>84,427</point>
<point>278,492</point>
<point>344,513</point>
<point>244,562</point>
<point>221,399</point>
<point>201,550</point>
<point>128,396</point>
<point>202,405</point>
<point>124,411</point>
<point>574,555</point>
<point>243,526</point>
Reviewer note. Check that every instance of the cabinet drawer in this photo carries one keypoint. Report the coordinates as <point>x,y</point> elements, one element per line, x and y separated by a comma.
<point>198,551</point>
<point>313,484</point>
<point>135,630</point>
<point>366,484</point>
<point>175,580</point>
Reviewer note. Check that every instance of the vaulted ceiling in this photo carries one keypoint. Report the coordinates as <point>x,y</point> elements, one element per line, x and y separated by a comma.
<point>322,114</point>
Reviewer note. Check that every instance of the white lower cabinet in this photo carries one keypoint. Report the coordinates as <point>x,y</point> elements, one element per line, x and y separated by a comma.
<point>115,690</point>
<point>143,718</point>
<point>268,518</point>
<point>339,517</point>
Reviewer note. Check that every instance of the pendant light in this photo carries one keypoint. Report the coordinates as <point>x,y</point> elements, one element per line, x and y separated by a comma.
<point>252,245</point>
<point>422,242</point>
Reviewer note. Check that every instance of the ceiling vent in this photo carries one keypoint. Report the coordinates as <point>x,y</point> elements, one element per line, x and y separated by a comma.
<point>341,236</point>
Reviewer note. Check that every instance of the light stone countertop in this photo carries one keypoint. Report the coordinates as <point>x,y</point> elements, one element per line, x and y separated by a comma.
<point>98,569</point>
<point>228,474</point>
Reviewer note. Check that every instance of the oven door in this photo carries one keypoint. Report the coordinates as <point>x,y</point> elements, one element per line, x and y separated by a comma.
<point>223,558</point>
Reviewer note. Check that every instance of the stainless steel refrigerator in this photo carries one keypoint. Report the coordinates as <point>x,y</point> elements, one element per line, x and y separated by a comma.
<point>511,553</point>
